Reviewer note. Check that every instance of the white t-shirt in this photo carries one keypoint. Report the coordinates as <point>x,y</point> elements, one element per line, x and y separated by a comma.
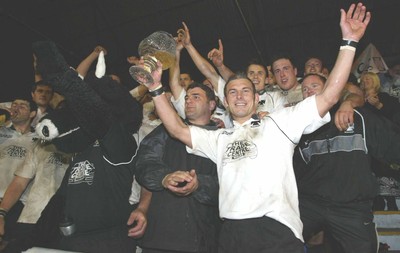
<point>47,167</point>
<point>254,162</point>
<point>14,148</point>
<point>287,98</point>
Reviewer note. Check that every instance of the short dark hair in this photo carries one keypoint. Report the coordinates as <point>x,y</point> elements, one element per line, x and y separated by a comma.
<point>257,62</point>
<point>279,57</point>
<point>236,76</point>
<point>209,92</point>
<point>41,83</point>
<point>32,105</point>
<point>315,57</point>
<point>319,75</point>
<point>187,73</point>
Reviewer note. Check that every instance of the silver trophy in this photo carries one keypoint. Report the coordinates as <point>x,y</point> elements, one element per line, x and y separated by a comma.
<point>157,46</point>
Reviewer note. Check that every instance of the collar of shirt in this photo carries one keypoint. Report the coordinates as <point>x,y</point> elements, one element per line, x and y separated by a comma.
<point>254,121</point>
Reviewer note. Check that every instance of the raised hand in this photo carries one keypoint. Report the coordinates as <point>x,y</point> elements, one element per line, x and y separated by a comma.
<point>98,49</point>
<point>134,60</point>
<point>217,55</point>
<point>354,22</point>
<point>179,40</point>
<point>184,35</point>
<point>156,75</point>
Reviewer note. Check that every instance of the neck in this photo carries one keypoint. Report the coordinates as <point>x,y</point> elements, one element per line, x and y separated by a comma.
<point>201,121</point>
<point>22,128</point>
<point>42,109</point>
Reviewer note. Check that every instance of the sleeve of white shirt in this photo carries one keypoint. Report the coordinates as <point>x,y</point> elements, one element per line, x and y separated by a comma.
<point>303,118</point>
<point>179,104</point>
<point>221,87</point>
<point>204,142</point>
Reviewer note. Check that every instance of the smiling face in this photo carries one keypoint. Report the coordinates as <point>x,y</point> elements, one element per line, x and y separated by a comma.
<point>313,65</point>
<point>285,74</point>
<point>241,99</point>
<point>311,85</point>
<point>257,74</point>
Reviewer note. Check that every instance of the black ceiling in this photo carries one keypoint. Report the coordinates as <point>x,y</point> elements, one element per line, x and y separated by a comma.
<point>248,28</point>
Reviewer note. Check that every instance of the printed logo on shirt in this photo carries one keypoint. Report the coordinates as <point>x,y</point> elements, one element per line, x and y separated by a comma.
<point>239,150</point>
<point>6,136</point>
<point>16,151</point>
<point>55,159</point>
<point>82,172</point>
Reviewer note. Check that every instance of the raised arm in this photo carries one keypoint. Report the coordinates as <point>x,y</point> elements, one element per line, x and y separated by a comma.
<point>217,57</point>
<point>201,63</point>
<point>167,114</point>
<point>84,65</point>
<point>175,71</point>
<point>353,25</point>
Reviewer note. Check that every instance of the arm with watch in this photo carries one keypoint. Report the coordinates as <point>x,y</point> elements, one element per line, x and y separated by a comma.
<point>353,24</point>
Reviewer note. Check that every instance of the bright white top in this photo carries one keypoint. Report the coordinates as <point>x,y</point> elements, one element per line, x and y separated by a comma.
<point>254,162</point>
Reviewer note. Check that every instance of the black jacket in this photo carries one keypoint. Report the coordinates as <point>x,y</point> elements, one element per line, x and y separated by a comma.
<point>190,223</point>
<point>335,166</point>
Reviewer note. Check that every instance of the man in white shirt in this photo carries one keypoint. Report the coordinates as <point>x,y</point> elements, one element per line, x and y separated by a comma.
<point>258,195</point>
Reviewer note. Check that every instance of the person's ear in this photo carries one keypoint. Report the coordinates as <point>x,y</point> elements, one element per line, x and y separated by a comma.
<point>32,114</point>
<point>212,104</point>
<point>226,103</point>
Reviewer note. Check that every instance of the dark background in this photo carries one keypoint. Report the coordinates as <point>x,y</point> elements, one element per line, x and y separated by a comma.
<point>248,28</point>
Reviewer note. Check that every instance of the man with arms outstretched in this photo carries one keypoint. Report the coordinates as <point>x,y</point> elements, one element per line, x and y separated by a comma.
<point>258,196</point>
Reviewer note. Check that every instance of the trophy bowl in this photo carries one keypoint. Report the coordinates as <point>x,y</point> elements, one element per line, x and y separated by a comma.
<point>158,46</point>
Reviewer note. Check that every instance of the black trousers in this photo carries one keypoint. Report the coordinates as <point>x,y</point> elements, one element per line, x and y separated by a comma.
<point>350,225</point>
<point>261,235</point>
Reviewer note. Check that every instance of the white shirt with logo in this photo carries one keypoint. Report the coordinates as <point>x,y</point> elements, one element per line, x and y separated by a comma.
<point>254,162</point>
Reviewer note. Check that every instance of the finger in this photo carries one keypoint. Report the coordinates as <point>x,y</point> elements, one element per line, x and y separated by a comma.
<point>337,124</point>
<point>137,230</point>
<point>192,173</point>
<point>159,65</point>
<point>185,27</point>
<point>177,190</point>
<point>221,47</point>
<point>350,11</point>
<point>350,118</point>
<point>211,54</point>
<point>367,18</point>
<point>356,14</point>
<point>361,16</point>
<point>342,16</point>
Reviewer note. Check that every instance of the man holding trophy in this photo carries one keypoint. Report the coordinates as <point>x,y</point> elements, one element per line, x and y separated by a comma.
<point>258,194</point>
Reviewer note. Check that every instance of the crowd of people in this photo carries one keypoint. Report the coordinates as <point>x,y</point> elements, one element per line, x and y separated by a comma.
<point>256,161</point>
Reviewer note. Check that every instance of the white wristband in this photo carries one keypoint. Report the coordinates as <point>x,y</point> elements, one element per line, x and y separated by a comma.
<point>348,48</point>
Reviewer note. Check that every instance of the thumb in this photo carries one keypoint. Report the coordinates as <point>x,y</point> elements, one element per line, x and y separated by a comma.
<point>192,172</point>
